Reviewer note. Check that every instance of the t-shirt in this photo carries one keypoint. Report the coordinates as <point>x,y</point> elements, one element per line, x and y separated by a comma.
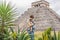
<point>30,24</point>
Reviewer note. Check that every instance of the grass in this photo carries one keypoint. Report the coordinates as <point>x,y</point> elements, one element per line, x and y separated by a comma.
<point>39,34</point>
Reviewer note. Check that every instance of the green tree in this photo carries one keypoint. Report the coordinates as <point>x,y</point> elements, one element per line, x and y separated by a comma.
<point>19,35</point>
<point>7,13</point>
<point>47,34</point>
<point>54,36</point>
<point>59,35</point>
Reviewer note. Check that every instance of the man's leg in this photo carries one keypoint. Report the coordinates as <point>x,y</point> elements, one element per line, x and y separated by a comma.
<point>32,35</point>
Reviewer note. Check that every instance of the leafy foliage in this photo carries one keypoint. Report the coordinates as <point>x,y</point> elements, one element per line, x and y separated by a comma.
<point>47,35</point>
<point>20,35</point>
<point>6,17</point>
<point>59,35</point>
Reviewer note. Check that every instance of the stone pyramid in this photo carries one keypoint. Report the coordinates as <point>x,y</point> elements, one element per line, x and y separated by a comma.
<point>44,17</point>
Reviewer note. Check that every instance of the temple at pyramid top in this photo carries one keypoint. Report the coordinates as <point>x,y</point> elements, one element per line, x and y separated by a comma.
<point>40,3</point>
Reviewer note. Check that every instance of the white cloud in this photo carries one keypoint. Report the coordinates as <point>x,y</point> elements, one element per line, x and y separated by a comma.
<point>23,5</point>
<point>55,5</point>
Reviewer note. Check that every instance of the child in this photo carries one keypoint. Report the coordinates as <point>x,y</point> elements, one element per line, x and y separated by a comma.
<point>31,23</point>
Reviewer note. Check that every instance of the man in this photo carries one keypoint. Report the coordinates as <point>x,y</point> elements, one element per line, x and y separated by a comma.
<point>31,27</point>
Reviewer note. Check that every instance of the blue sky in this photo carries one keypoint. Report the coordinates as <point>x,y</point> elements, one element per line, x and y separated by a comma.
<point>23,5</point>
